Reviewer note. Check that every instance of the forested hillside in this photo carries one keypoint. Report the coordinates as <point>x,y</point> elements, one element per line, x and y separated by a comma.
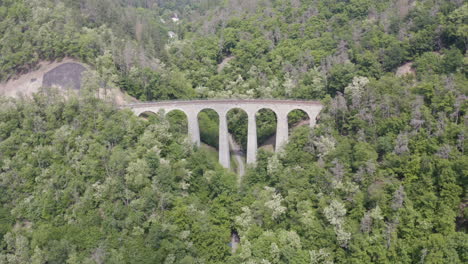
<point>382,178</point>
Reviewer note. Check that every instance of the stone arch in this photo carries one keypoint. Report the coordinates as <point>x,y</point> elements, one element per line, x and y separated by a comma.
<point>266,108</point>
<point>297,117</point>
<point>146,114</point>
<point>266,125</point>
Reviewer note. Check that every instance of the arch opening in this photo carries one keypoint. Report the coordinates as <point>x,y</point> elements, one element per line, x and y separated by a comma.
<point>266,121</point>
<point>148,114</point>
<point>237,122</point>
<point>237,126</point>
<point>151,116</point>
<point>178,122</point>
<point>297,118</point>
<point>208,121</point>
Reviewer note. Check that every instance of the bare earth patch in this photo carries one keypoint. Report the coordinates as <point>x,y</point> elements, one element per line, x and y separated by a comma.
<point>405,69</point>
<point>224,63</point>
<point>64,74</point>
<point>29,83</point>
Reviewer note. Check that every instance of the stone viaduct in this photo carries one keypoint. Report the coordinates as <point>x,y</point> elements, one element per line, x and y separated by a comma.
<point>192,108</point>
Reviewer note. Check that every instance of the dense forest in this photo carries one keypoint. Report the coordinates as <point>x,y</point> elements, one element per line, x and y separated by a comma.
<point>381,178</point>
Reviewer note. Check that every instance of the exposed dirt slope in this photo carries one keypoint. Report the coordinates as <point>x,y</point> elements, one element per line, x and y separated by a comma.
<point>29,83</point>
<point>64,74</point>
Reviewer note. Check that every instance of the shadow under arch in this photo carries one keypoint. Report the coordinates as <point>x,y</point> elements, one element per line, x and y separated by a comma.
<point>208,123</point>
<point>266,121</point>
<point>297,117</point>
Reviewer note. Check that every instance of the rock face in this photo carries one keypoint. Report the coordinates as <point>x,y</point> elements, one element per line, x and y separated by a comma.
<point>67,75</point>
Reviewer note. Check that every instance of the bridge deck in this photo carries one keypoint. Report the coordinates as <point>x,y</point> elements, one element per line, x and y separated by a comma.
<point>223,101</point>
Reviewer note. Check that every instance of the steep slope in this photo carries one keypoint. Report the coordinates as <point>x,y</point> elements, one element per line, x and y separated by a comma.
<point>67,75</point>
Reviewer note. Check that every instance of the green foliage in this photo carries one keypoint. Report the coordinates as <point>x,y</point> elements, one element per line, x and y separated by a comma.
<point>209,127</point>
<point>340,76</point>
<point>107,183</point>
<point>266,125</point>
<point>237,125</point>
<point>380,179</point>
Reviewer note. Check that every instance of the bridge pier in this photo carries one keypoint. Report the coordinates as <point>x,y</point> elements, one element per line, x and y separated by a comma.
<point>224,157</point>
<point>312,121</point>
<point>252,139</point>
<point>281,129</point>
<point>193,128</point>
